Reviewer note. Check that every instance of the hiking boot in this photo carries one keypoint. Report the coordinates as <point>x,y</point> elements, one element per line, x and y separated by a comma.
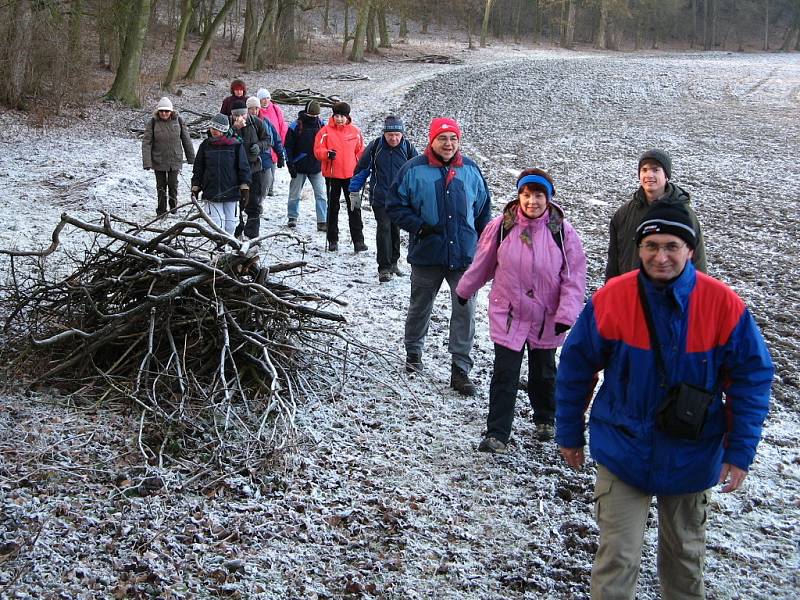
<point>492,445</point>
<point>545,432</point>
<point>384,276</point>
<point>333,246</point>
<point>396,270</point>
<point>292,222</point>
<point>460,381</point>
<point>413,363</point>
<point>359,246</point>
<point>322,227</point>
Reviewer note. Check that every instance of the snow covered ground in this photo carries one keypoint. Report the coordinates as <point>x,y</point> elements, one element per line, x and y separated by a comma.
<point>385,495</point>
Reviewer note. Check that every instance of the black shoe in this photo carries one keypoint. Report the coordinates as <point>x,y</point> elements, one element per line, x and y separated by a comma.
<point>396,270</point>
<point>292,222</point>
<point>384,276</point>
<point>359,246</point>
<point>492,445</point>
<point>270,193</point>
<point>545,432</point>
<point>460,382</point>
<point>333,246</point>
<point>413,363</point>
<point>322,227</point>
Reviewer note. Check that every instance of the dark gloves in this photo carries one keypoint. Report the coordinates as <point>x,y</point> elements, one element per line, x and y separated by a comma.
<point>426,230</point>
<point>331,154</point>
<point>281,162</point>
<point>292,171</point>
<point>462,301</point>
<point>255,149</point>
<point>245,193</point>
<point>561,328</point>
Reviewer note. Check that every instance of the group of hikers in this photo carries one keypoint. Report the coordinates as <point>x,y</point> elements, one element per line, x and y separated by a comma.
<point>686,372</point>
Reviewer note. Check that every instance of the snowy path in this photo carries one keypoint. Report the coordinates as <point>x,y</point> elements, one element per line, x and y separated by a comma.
<point>386,496</point>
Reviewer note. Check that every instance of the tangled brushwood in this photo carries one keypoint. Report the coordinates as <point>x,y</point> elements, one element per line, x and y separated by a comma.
<point>181,322</point>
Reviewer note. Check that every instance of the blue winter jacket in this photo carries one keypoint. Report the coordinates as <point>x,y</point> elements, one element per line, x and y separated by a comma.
<point>707,337</point>
<point>453,198</point>
<point>276,145</point>
<point>220,168</point>
<point>380,162</point>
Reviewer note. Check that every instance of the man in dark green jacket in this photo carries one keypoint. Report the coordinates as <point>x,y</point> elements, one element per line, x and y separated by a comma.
<point>655,171</point>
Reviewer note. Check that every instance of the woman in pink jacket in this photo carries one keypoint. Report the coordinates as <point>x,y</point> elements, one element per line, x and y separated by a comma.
<point>539,268</point>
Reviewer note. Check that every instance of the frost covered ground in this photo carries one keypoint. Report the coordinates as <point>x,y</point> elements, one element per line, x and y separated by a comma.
<point>385,495</point>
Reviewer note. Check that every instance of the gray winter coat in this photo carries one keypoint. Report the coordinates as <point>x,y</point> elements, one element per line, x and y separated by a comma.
<point>165,142</point>
<point>623,255</point>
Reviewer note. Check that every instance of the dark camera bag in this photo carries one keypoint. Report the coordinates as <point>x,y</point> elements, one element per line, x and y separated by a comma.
<point>683,412</point>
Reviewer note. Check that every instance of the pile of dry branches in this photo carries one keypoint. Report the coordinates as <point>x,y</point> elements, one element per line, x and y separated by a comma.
<point>180,322</point>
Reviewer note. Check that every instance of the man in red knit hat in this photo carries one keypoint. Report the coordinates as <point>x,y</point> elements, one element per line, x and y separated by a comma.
<point>441,198</point>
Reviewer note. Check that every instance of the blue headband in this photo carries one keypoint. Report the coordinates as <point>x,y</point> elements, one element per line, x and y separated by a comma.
<point>537,179</point>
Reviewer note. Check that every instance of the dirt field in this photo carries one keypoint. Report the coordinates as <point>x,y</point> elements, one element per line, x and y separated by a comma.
<point>385,495</point>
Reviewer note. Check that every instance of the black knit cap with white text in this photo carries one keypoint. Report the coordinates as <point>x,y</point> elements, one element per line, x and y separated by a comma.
<point>668,218</point>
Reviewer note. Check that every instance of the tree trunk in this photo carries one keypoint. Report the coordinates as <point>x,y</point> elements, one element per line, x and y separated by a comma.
<point>568,28</point>
<point>186,16</point>
<point>264,44</point>
<point>487,13</point>
<point>372,45</point>
<point>124,86</point>
<point>600,32</point>
<point>357,51</point>
<point>208,38</point>
<point>403,24</point>
<point>326,22</point>
<point>346,31</point>
<point>766,25</point>
<point>75,14</point>
<point>287,42</point>
<point>247,51</point>
<point>383,28</point>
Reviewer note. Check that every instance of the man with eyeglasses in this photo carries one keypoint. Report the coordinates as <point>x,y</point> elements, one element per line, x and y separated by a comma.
<point>655,172</point>
<point>671,341</point>
<point>441,198</point>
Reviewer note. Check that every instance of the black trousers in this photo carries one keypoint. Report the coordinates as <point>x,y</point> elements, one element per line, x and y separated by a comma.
<point>387,239</point>
<point>505,382</point>
<point>253,209</point>
<point>335,187</point>
<point>166,180</point>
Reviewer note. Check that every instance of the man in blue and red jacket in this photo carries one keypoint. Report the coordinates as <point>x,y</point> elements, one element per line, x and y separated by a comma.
<point>441,198</point>
<point>705,337</point>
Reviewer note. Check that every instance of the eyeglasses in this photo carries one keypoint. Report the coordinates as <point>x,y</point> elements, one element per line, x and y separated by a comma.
<point>669,247</point>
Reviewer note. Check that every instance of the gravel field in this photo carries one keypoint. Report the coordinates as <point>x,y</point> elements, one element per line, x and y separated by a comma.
<point>384,494</point>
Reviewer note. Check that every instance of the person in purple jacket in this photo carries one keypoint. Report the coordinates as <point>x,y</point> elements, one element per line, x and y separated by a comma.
<point>539,268</point>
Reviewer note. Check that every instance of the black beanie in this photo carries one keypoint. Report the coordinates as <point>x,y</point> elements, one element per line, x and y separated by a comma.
<point>668,218</point>
<point>393,124</point>
<point>660,157</point>
<point>341,108</point>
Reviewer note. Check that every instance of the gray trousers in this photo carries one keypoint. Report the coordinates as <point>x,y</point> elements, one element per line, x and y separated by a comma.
<point>621,512</point>
<point>425,284</point>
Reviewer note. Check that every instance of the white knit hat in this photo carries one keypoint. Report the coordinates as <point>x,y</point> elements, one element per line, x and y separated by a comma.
<point>263,93</point>
<point>253,102</point>
<point>164,104</point>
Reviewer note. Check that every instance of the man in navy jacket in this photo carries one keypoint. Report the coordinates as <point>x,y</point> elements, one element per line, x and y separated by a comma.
<point>699,333</point>
<point>442,200</point>
<point>380,163</point>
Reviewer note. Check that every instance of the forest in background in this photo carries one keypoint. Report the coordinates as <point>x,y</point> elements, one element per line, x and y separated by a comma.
<point>53,47</point>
